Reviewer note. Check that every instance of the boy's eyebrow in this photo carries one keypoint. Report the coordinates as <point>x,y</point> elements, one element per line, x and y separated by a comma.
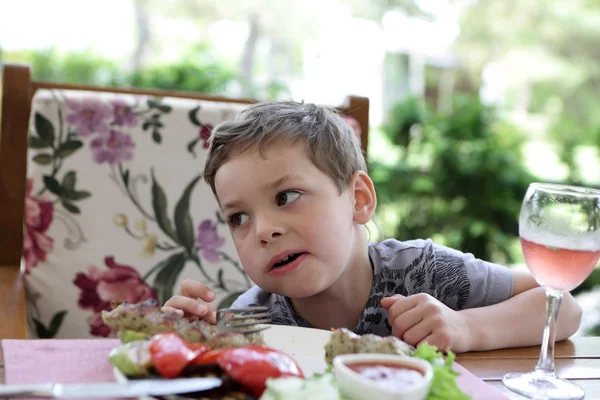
<point>280,181</point>
<point>232,204</point>
<point>271,185</point>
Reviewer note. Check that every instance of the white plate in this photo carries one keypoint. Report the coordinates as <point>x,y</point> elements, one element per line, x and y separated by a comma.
<point>305,345</point>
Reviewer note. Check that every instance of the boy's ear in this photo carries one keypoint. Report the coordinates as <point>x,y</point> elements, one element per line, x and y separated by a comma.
<point>365,199</point>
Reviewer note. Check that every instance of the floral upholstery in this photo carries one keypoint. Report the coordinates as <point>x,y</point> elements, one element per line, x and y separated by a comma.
<point>116,208</point>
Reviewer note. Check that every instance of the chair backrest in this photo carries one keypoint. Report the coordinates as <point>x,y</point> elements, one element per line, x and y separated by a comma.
<point>16,103</point>
<point>107,185</point>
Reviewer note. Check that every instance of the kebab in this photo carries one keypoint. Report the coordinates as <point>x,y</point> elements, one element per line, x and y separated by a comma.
<point>142,320</point>
<point>344,341</point>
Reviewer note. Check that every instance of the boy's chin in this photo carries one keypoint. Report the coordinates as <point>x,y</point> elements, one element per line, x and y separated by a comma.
<point>298,292</point>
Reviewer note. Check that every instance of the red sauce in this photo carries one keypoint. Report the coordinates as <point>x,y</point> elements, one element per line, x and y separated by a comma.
<point>392,376</point>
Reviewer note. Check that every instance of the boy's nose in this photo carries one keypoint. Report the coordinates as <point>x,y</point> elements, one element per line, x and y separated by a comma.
<point>267,231</point>
<point>267,240</point>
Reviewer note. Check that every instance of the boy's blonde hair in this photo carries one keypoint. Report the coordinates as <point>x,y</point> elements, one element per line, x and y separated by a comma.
<point>330,141</point>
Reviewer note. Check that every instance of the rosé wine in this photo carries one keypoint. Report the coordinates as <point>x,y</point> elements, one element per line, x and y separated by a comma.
<point>559,268</point>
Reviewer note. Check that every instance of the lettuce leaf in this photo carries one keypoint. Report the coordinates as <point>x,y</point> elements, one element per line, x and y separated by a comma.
<point>318,387</point>
<point>443,385</point>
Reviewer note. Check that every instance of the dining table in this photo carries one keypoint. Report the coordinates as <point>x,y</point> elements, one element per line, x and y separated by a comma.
<point>576,359</point>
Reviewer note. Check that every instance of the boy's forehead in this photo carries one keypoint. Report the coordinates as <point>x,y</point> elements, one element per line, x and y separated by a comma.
<point>268,148</point>
<point>281,152</point>
<point>256,167</point>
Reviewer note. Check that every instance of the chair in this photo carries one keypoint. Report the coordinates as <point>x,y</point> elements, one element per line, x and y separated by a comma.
<point>101,199</point>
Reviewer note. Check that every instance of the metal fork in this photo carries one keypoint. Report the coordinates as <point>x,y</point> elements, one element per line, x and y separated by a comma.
<point>243,320</point>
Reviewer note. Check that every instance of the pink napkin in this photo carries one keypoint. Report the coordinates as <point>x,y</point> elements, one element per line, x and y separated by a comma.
<point>63,361</point>
<point>478,389</point>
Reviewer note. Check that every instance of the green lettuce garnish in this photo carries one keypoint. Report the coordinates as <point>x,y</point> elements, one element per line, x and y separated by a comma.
<point>128,336</point>
<point>443,385</point>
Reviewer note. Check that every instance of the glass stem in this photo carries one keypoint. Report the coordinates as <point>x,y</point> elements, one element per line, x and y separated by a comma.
<point>545,363</point>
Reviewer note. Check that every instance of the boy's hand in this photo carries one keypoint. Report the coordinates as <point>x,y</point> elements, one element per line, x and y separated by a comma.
<point>421,317</point>
<point>190,299</point>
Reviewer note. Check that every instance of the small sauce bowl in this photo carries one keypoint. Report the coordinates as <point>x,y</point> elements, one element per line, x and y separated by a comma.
<point>382,376</point>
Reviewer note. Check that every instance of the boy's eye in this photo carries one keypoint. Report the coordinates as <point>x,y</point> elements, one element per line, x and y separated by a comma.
<point>238,219</point>
<point>287,197</point>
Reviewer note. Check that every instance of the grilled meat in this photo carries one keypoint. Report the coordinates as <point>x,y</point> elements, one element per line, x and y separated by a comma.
<point>148,318</point>
<point>344,341</point>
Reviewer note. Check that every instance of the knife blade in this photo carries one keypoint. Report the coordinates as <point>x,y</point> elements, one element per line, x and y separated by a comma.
<point>142,387</point>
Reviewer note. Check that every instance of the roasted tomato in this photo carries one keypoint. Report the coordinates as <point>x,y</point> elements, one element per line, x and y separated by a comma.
<point>208,357</point>
<point>251,366</point>
<point>170,353</point>
<point>199,348</point>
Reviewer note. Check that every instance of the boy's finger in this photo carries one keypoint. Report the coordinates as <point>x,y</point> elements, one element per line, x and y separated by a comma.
<point>212,318</point>
<point>189,306</point>
<point>435,339</point>
<point>406,321</point>
<point>387,302</point>
<point>167,310</point>
<point>417,333</point>
<point>196,290</point>
<point>401,306</point>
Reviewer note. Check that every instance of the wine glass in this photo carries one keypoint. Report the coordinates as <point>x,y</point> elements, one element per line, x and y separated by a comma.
<point>559,227</point>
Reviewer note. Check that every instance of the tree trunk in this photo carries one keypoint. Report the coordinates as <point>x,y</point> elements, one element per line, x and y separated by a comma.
<point>143,34</point>
<point>247,64</point>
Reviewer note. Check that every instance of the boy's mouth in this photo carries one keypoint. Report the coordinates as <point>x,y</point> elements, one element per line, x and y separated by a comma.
<point>285,260</point>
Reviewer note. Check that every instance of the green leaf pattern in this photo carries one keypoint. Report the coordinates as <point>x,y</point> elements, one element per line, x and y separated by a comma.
<point>166,277</point>
<point>183,219</point>
<point>159,204</point>
<point>49,332</point>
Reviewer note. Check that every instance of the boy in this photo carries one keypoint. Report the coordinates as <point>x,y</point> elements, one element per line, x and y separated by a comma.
<point>292,184</point>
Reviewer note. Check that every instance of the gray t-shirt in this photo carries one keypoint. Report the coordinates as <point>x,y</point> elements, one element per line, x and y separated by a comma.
<point>456,279</point>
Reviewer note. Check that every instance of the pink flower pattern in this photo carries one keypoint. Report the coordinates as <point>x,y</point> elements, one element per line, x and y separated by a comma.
<point>123,113</point>
<point>39,213</point>
<point>204,133</point>
<point>209,240</point>
<point>354,125</point>
<point>89,115</point>
<point>99,288</point>
<point>112,148</point>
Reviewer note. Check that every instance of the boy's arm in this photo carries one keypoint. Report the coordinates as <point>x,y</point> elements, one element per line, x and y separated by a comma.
<point>519,321</point>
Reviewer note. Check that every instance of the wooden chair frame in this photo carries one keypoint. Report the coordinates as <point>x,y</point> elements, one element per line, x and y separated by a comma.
<point>17,93</point>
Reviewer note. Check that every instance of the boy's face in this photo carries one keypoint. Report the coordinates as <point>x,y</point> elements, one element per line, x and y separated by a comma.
<point>293,230</point>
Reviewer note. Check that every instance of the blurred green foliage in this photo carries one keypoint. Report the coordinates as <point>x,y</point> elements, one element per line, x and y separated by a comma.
<point>548,51</point>
<point>82,68</point>
<point>199,70</point>
<point>460,178</point>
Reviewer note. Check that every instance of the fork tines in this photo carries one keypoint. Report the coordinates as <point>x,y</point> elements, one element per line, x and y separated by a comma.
<point>243,320</point>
